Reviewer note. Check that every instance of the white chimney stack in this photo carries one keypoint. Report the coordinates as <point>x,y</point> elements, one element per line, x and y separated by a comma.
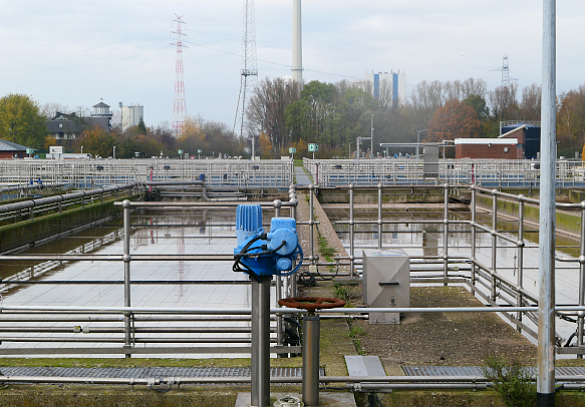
<point>297,59</point>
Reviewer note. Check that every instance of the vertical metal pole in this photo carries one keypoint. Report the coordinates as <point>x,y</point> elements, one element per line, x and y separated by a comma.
<point>473,232</point>
<point>260,341</point>
<point>372,138</point>
<point>380,216</point>
<point>581,282</point>
<point>546,235</point>
<point>293,277</point>
<point>311,332</point>
<point>520,245</point>
<point>446,234</point>
<point>311,224</point>
<point>494,241</point>
<point>127,289</point>
<point>277,205</point>
<point>351,235</point>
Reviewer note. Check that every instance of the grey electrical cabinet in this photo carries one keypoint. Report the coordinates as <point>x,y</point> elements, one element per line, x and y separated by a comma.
<point>386,283</point>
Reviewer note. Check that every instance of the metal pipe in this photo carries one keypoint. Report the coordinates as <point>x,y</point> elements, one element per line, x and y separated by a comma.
<point>311,334</point>
<point>546,236</point>
<point>293,277</point>
<point>277,205</point>
<point>297,62</point>
<point>311,223</point>
<point>127,287</point>
<point>379,215</point>
<point>494,231</point>
<point>351,235</point>
<point>446,232</point>
<point>581,281</point>
<point>520,245</point>
<point>473,232</point>
<point>260,357</point>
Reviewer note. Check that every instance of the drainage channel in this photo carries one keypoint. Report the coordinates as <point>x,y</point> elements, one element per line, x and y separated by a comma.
<point>144,372</point>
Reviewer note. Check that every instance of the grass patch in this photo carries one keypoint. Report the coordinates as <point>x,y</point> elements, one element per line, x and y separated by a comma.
<point>511,380</point>
<point>356,333</point>
<point>141,362</point>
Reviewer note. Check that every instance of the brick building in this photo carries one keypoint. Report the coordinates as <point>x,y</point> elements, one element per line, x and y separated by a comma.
<point>499,148</point>
<point>8,149</point>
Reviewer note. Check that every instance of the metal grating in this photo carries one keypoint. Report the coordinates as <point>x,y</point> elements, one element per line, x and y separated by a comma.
<point>146,372</point>
<point>476,371</point>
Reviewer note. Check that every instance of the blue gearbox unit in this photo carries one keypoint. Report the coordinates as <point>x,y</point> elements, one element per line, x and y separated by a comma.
<point>265,254</point>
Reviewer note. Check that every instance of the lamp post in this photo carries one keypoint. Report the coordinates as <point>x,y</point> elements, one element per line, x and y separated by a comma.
<point>114,153</point>
<point>418,132</point>
<point>81,149</point>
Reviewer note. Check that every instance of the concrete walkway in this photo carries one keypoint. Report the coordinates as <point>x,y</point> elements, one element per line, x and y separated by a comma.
<point>301,176</point>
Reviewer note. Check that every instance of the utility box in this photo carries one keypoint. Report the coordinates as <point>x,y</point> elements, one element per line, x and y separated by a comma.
<point>431,161</point>
<point>386,283</point>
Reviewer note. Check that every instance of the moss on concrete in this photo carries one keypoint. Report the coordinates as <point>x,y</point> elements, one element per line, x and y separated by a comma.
<point>135,362</point>
<point>28,231</point>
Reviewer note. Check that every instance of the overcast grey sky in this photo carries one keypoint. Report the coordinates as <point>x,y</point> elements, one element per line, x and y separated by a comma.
<point>76,52</point>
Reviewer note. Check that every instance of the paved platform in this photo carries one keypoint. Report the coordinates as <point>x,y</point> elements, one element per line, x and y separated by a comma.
<point>144,372</point>
<point>301,176</point>
<point>325,399</point>
<point>477,371</point>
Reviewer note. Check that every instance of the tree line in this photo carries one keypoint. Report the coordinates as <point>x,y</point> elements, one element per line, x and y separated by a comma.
<point>281,115</point>
<point>23,121</point>
<point>334,115</point>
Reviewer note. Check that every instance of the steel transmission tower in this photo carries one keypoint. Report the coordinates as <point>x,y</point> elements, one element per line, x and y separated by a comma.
<point>506,79</point>
<point>179,105</point>
<point>249,78</point>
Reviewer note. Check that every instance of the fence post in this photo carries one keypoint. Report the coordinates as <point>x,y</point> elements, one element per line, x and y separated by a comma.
<point>520,245</point>
<point>494,241</point>
<point>380,226</point>
<point>277,205</point>
<point>446,234</point>
<point>473,232</point>
<point>351,235</point>
<point>581,281</point>
<point>127,288</point>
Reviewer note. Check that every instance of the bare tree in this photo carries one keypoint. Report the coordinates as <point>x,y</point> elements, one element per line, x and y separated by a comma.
<point>266,108</point>
<point>50,109</point>
<point>503,102</point>
<point>531,102</point>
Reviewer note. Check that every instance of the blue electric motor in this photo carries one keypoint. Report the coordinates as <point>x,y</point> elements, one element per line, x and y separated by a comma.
<point>265,254</point>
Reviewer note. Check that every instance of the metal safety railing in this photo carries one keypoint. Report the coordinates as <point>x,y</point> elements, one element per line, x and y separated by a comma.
<point>485,280</point>
<point>90,173</point>
<point>404,171</point>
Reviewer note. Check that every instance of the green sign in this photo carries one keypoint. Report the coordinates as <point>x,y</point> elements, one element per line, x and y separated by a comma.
<point>292,150</point>
<point>180,151</point>
<point>199,151</point>
<point>313,147</point>
<point>30,150</point>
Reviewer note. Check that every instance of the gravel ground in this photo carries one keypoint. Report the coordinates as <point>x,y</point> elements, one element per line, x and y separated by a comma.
<point>449,339</point>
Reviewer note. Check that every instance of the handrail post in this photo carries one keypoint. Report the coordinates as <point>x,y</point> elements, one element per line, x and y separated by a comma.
<point>520,245</point>
<point>277,205</point>
<point>446,234</point>
<point>127,288</point>
<point>494,241</point>
<point>380,226</point>
<point>473,232</point>
<point>351,235</point>
<point>311,225</point>
<point>293,277</point>
<point>581,314</point>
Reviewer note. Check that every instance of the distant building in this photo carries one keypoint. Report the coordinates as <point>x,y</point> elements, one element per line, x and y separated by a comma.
<point>518,141</point>
<point>528,135</point>
<point>8,149</point>
<point>131,115</point>
<point>385,86</point>
<point>69,126</point>
<point>488,148</point>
